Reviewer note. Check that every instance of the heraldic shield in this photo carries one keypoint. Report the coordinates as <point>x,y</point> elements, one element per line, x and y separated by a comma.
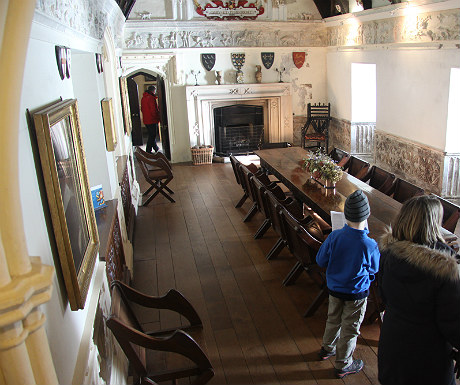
<point>238,60</point>
<point>267,59</point>
<point>299,59</point>
<point>208,60</point>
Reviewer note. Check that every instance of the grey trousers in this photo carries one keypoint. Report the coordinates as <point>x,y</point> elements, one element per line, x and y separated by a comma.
<point>342,328</point>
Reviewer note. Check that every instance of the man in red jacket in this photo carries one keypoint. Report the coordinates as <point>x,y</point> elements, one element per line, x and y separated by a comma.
<point>151,117</point>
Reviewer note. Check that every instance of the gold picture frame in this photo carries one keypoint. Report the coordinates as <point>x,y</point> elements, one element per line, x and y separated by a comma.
<point>109,124</point>
<point>65,175</point>
<point>125,105</point>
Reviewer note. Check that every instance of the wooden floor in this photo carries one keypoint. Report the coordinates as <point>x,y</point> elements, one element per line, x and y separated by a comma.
<point>254,328</point>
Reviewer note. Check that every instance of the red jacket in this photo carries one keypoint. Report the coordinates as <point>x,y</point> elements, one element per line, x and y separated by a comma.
<point>149,107</point>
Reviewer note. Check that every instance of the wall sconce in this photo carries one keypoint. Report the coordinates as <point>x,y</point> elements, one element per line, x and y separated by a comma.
<point>63,61</point>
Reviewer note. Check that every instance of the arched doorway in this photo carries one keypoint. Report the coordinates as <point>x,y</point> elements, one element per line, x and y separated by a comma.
<point>137,84</point>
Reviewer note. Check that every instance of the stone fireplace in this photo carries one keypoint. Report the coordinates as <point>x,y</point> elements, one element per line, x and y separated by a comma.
<point>272,100</point>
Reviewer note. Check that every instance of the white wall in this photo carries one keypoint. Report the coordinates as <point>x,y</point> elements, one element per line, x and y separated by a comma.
<point>412,90</point>
<point>308,82</point>
<point>42,85</point>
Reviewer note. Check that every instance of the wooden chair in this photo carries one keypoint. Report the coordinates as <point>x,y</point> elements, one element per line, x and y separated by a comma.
<point>451,214</point>
<point>402,190</point>
<point>304,242</point>
<point>319,118</point>
<point>236,164</point>
<point>245,178</point>
<point>259,184</point>
<point>266,146</point>
<point>341,157</point>
<point>163,355</point>
<point>379,179</point>
<point>358,167</point>
<point>158,174</point>
<point>154,156</point>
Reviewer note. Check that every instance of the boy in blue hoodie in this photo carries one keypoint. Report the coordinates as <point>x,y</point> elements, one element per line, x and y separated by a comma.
<point>351,260</point>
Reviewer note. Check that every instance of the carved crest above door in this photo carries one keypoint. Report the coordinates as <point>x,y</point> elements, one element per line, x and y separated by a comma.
<point>229,10</point>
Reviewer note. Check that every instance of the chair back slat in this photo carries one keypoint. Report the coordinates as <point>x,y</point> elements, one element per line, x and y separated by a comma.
<point>404,190</point>
<point>358,167</point>
<point>380,179</point>
<point>451,214</point>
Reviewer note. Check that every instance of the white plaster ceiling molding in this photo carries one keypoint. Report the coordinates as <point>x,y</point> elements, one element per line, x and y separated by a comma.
<point>411,28</point>
<point>88,17</point>
<point>172,35</point>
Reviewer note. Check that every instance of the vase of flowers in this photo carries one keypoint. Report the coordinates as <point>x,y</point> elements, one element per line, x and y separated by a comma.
<point>323,169</point>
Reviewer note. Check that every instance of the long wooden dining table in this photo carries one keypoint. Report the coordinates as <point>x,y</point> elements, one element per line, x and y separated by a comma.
<point>286,165</point>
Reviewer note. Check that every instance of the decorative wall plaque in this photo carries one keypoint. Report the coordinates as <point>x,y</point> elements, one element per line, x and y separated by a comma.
<point>267,59</point>
<point>208,60</point>
<point>61,54</point>
<point>299,59</point>
<point>230,10</point>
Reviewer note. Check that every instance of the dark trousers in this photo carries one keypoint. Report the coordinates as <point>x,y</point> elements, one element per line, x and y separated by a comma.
<point>152,139</point>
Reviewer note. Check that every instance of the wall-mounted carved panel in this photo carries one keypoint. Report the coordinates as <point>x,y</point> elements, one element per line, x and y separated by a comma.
<point>416,163</point>
<point>422,28</point>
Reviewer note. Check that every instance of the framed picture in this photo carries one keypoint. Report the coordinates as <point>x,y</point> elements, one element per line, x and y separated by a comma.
<point>109,125</point>
<point>63,165</point>
<point>125,105</point>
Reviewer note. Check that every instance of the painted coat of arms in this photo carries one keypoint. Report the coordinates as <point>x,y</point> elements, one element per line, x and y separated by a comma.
<point>267,59</point>
<point>238,60</point>
<point>229,10</point>
<point>208,60</point>
<point>299,59</point>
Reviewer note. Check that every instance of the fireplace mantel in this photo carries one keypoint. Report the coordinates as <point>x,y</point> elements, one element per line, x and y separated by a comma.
<point>276,98</point>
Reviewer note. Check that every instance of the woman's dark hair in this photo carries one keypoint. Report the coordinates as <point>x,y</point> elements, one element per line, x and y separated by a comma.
<point>419,221</point>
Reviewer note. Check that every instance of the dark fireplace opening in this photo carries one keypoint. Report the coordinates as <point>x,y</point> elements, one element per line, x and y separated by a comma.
<point>239,129</point>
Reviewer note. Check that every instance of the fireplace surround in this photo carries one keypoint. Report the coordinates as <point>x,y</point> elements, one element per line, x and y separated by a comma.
<point>274,98</point>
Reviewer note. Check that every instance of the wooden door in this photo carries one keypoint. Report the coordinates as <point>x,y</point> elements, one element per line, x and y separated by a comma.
<point>135,112</point>
<point>163,117</point>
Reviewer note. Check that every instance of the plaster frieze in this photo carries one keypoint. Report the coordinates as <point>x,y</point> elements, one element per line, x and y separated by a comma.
<point>417,28</point>
<point>154,35</point>
<point>88,17</point>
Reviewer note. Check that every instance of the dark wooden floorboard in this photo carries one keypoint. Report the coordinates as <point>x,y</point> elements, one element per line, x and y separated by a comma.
<point>254,327</point>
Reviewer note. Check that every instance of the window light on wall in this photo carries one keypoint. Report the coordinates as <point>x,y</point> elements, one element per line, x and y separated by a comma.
<point>453,113</point>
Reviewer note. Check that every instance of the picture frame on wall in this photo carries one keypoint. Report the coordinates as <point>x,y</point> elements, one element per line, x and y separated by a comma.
<point>109,124</point>
<point>65,175</point>
<point>125,105</point>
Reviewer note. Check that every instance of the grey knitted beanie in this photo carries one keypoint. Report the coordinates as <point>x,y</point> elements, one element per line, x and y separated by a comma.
<point>357,207</point>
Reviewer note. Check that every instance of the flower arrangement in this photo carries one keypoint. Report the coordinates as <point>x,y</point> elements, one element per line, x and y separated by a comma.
<point>323,167</point>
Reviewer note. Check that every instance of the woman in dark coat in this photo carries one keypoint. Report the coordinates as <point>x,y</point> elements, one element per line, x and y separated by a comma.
<point>419,280</point>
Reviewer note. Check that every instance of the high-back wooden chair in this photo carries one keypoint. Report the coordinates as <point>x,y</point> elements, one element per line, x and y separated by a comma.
<point>358,167</point>
<point>402,190</point>
<point>259,184</point>
<point>246,175</point>
<point>276,204</point>
<point>318,118</point>
<point>158,174</point>
<point>304,241</point>
<point>236,165</point>
<point>163,355</point>
<point>451,214</point>
<point>379,179</point>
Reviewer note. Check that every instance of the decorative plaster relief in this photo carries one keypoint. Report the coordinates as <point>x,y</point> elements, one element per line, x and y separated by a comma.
<point>88,17</point>
<point>188,35</point>
<point>340,134</point>
<point>421,28</point>
<point>416,163</point>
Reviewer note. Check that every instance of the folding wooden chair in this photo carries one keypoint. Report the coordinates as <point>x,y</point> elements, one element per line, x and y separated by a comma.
<point>162,355</point>
<point>158,174</point>
<point>154,155</point>
<point>341,157</point>
<point>236,164</point>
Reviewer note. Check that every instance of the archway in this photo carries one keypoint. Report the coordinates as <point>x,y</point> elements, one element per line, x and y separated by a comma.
<point>137,84</point>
